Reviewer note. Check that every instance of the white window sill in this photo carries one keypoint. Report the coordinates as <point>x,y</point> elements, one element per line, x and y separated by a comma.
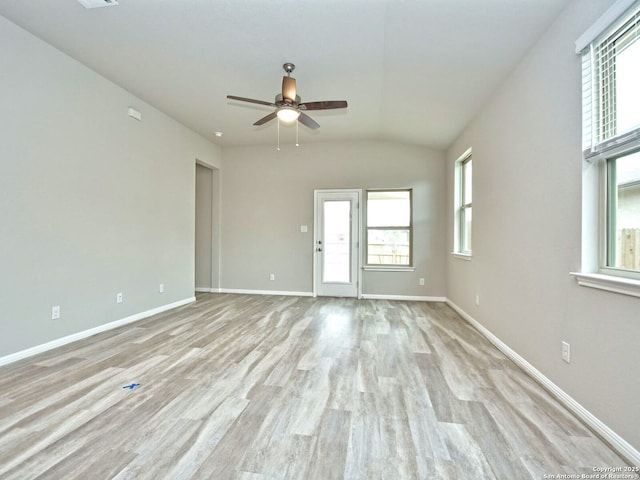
<point>624,286</point>
<point>390,268</point>
<point>462,256</point>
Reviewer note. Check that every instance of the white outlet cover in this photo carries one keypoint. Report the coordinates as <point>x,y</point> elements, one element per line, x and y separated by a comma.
<point>55,312</point>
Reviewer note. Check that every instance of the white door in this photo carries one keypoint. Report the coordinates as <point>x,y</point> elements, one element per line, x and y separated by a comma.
<point>336,243</point>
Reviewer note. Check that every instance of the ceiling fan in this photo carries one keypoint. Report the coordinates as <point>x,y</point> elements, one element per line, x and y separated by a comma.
<point>288,104</point>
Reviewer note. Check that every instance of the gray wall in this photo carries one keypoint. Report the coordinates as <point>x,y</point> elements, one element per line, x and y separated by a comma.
<point>92,202</point>
<point>268,194</point>
<point>527,233</point>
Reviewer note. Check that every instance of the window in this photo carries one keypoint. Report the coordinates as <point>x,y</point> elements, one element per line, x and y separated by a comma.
<point>611,79</point>
<point>389,228</point>
<point>463,204</point>
<point>610,52</point>
<point>622,239</point>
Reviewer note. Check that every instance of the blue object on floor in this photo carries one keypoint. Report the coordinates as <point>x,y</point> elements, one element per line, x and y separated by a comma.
<point>132,386</point>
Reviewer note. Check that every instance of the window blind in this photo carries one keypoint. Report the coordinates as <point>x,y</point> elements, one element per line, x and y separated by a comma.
<point>611,87</point>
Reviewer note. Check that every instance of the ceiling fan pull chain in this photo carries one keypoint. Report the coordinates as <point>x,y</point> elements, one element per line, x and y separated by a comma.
<point>297,143</point>
<point>278,134</point>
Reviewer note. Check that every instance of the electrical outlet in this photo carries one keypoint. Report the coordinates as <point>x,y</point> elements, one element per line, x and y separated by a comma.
<point>421,281</point>
<point>477,299</point>
<point>119,297</point>
<point>161,288</point>
<point>566,352</point>
<point>272,276</point>
<point>55,312</point>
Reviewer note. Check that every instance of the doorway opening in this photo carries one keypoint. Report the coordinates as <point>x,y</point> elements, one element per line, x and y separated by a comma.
<point>207,233</point>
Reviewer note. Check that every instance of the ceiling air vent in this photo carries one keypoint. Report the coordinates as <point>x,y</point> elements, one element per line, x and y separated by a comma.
<point>97,3</point>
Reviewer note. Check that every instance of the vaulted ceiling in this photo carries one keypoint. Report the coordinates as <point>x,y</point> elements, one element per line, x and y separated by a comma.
<point>413,71</point>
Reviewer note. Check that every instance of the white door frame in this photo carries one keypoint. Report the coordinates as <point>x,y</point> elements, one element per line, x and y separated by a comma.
<point>357,256</point>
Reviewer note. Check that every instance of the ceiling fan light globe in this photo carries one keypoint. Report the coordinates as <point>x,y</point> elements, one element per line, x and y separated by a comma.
<point>288,114</point>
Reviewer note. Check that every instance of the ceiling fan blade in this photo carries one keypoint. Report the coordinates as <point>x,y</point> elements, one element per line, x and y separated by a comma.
<point>266,119</point>
<point>325,105</point>
<point>289,88</point>
<point>251,100</point>
<point>308,121</point>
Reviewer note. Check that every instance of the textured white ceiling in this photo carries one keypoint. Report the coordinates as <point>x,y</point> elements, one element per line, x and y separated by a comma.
<point>413,71</point>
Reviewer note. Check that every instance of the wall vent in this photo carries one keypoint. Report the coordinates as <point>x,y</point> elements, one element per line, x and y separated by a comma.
<point>97,3</point>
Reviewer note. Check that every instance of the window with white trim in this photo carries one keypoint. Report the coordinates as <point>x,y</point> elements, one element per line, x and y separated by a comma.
<point>389,228</point>
<point>463,192</point>
<point>611,133</point>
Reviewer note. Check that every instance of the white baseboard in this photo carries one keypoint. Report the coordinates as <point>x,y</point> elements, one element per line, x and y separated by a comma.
<point>624,448</point>
<point>265,292</point>
<point>29,352</point>
<point>408,298</point>
<point>368,296</point>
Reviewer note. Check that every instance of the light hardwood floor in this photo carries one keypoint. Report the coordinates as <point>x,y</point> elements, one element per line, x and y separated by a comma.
<point>260,387</point>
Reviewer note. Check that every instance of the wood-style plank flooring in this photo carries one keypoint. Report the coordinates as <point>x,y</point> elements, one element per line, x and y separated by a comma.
<point>272,387</point>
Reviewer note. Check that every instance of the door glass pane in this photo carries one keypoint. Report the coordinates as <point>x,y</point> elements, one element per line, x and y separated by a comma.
<point>336,265</point>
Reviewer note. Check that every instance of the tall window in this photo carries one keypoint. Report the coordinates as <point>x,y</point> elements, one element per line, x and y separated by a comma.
<point>389,228</point>
<point>611,136</point>
<point>463,204</point>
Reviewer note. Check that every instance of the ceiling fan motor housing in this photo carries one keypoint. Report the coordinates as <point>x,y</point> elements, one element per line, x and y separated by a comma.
<point>284,101</point>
